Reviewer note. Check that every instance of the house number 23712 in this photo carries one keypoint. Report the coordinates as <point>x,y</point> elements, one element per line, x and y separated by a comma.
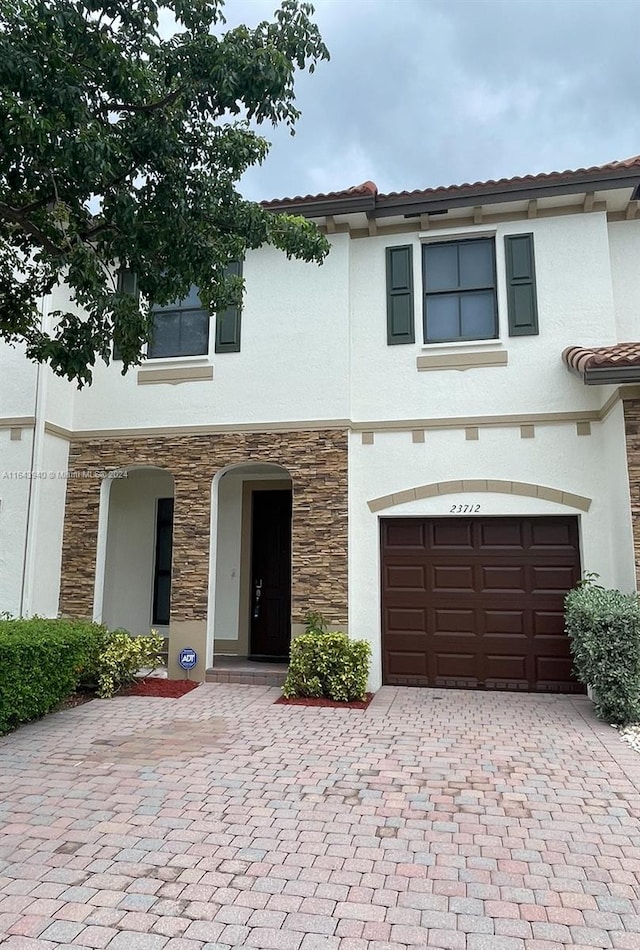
<point>464,509</point>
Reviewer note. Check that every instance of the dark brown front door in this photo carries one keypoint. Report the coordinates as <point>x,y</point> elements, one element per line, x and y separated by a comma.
<point>270,635</point>
<point>478,602</point>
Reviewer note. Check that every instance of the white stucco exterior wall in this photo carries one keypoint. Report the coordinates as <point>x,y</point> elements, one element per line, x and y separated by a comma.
<point>624,247</point>
<point>227,555</point>
<point>130,549</point>
<point>43,570</point>
<point>15,488</point>
<point>575,305</point>
<point>556,458</point>
<point>292,366</point>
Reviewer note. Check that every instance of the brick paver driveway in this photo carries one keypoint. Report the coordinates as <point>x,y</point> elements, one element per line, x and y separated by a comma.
<point>447,819</point>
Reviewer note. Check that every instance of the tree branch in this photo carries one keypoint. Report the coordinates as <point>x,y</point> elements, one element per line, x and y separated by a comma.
<point>17,216</point>
<point>147,107</point>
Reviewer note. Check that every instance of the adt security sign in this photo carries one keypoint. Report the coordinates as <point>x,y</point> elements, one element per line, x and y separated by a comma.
<point>188,658</point>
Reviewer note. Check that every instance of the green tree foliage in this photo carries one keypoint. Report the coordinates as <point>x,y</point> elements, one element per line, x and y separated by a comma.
<point>120,146</point>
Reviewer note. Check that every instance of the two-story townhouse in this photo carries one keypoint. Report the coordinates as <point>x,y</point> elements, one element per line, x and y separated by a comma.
<point>427,439</point>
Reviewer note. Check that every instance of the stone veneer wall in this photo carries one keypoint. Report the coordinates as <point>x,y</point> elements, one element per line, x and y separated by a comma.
<point>632,428</point>
<point>317,464</point>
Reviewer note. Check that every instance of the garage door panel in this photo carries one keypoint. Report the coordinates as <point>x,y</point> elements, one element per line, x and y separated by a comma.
<point>548,623</point>
<point>499,666</point>
<point>511,579</point>
<point>501,533</point>
<point>478,602</point>
<point>407,663</point>
<point>553,533</point>
<point>454,621</point>
<point>504,622</point>
<point>555,577</point>
<point>450,578</point>
<point>403,619</point>
<point>451,533</point>
<point>405,577</point>
<point>551,669</point>
<point>403,535</point>
<point>456,665</point>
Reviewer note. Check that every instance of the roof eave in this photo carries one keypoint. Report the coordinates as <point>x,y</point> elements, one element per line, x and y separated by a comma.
<point>611,375</point>
<point>319,208</point>
<point>418,204</point>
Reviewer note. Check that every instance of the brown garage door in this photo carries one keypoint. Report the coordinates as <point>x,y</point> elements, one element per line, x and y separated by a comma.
<point>478,602</point>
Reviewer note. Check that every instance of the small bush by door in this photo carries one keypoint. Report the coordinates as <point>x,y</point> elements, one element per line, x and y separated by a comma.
<point>327,664</point>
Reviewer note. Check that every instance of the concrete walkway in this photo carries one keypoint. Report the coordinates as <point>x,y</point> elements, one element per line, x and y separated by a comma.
<point>435,819</point>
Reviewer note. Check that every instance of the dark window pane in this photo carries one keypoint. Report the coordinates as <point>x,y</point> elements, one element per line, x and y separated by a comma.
<point>163,549</point>
<point>166,335</point>
<point>162,610</point>
<point>162,566</point>
<point>180,333</point>
<point>190,302</point>
<point>194,335</point>
<point>442,318</point>
<point>478,316</point>
<point>476,264</point>
<point>441,267</point>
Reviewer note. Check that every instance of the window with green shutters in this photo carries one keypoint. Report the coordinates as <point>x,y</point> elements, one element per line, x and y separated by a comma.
<point>521,285</point>
<point>400,313</point>
<point>181,328</point>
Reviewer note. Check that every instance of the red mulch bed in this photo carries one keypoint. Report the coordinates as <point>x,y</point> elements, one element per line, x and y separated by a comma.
<point>159,686</point>
<point>323,701</point>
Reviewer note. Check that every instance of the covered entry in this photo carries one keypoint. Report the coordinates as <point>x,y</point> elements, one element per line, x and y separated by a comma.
<point>478,602</point>
<point>252,615</point>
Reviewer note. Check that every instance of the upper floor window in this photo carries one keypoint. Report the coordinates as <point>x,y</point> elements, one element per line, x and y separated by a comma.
<point>181,328</point>
<point>459,281</point>
<point>459,290</point>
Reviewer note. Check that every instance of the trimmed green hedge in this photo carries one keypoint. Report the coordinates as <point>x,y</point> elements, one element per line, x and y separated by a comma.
<point>41,663</point>
<point>328,664</point>
<point>604,627</point>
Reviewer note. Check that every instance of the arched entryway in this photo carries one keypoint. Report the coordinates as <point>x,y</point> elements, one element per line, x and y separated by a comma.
<point>250,600</point>
<point>137,528</point>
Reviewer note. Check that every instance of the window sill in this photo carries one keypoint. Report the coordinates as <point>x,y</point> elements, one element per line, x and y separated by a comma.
<point>462,361</point>
<point>174,375</point>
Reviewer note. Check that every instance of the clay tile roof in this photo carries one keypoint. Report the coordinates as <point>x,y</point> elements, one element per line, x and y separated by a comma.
<point>512,183</point>
<point>585,360</point>
<point>367,197</point>
<point>366,188</point>
<point>621,354</point>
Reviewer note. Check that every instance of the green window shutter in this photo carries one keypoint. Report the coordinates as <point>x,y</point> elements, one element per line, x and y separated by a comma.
<point>521,285</point>
<point>228,322</point>
<point>127,284</point>
<point>400,317</point>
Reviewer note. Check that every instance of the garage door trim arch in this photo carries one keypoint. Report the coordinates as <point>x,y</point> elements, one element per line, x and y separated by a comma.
<point>496,486</point>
